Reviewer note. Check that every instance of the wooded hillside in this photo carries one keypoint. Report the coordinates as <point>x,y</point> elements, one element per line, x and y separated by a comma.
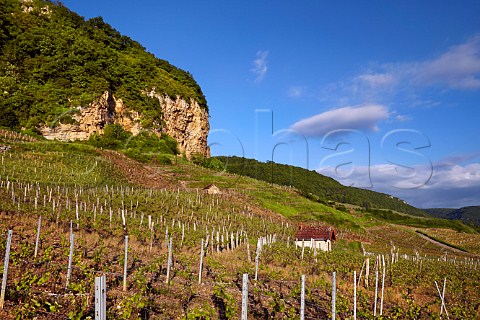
<point>53,60</point>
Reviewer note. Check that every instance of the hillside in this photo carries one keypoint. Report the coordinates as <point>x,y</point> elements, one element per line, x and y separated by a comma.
<point>100,196</point>
<point>439,212</point>
<point>59,70</point>
<point>316,186</point>
<point>466,214</point>
<point>133,207</point>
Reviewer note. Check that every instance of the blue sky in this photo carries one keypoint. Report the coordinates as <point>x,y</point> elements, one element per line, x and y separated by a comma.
<point>379,94</point>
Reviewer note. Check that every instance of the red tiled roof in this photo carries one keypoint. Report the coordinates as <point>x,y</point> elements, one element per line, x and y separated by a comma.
<point>315,232</point>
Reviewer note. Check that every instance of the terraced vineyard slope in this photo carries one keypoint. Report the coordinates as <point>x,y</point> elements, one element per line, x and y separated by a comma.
<point>100,197</point>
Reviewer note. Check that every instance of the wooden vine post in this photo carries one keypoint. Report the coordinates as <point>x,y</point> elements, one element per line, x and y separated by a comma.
<point>376,294</point>
<point>201,264</point>
<point>334,293</point>
<point>442,298</point>
<point>383,285</point>
<point>354,295</point>
<point>5,268</point>
<point>100,298</point>
<point>244,296</point>
<point>302,299</point>
<point>37,240</point>
<point>125,262</point>
<point>169,262</point>
<point>70,259</point>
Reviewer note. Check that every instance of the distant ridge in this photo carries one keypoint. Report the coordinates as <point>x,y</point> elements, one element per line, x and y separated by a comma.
<point>470,214</point>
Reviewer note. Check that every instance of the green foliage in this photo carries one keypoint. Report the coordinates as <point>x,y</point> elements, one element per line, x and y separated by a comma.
<point>149,142</point>
<point>114,137</point>
<point>202,312</point>
<point>227,299</point>
<point>210,163</point>
<point>214,164</point>
<point>135,154</point>
<point>164,159</point>
<point>131,305</point>
<point>52,63</point>
<point>141,147</point>
<point>171,143</point>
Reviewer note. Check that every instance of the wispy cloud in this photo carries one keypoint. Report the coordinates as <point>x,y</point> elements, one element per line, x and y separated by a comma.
<point>458,68</point>
<point>296,91</point>
<point>260,65</point>
<point>402,82</point>
<point>402,118</point>
<point>377,80</point>
<point>364,118</point>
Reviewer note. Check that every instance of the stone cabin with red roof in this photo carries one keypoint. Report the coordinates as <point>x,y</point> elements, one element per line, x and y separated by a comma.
<point>319,237</point>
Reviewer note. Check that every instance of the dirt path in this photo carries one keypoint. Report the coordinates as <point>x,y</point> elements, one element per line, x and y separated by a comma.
<point>446,246</point>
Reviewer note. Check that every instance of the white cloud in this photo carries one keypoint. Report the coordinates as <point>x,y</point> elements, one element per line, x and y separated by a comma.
<point>260,66</point>
<point>457,68</point>
<point>450,185</point>
<point>363,118</point>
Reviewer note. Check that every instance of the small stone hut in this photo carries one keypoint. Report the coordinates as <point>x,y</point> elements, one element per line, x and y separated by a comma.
<point>212,189</point>
<point>319,237</point>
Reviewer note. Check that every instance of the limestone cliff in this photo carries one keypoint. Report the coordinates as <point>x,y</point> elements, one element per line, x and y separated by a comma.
<point>185,121</point>
<point>92,119</point>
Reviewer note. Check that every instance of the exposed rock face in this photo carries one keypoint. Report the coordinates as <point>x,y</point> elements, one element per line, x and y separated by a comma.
<point>92,119</point>
<point>185,122</point>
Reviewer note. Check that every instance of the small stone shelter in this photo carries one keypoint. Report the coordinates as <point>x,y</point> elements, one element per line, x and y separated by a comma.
<point>212,189</point>
<point>319,237</point>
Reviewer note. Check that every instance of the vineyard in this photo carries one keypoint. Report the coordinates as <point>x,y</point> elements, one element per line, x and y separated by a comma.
<point>76,213</point>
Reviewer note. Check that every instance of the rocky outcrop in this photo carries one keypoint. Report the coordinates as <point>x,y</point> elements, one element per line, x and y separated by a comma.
<point>185,121</point>
<point>92,119</point>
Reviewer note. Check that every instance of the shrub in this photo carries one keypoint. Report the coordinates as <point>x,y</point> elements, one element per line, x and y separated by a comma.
<point>198,159</point>
<point>163,159</point>
<point>137,155</point>
<point>214,164</point>
<point>114,137</point>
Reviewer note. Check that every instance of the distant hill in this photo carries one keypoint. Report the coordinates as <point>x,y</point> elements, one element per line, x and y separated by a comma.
<point>316,186</point>
<point>466,214</point>
<point>439,212</point>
